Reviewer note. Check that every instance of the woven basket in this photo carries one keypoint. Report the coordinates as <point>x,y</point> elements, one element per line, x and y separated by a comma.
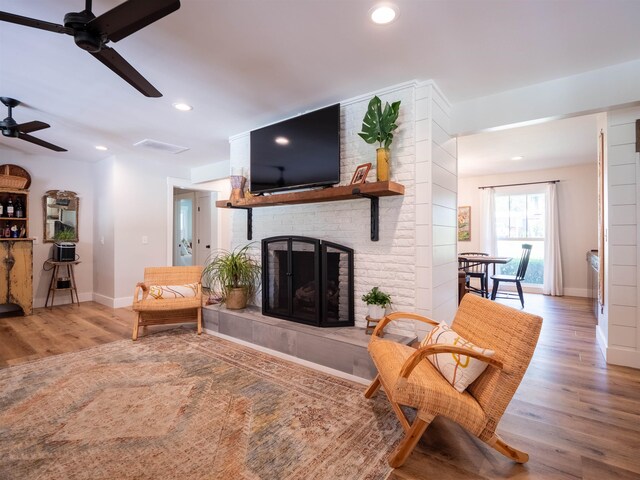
<point>11,181</point>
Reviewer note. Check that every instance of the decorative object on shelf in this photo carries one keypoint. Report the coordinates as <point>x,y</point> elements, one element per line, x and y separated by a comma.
<point>238,181</point>
<point>377,301</point>
<point>232,276</point>
<point>13,176</point>
<point>61,215</point>
<point>464,224</point>
<point>360,175</point>
<point>378,126</point>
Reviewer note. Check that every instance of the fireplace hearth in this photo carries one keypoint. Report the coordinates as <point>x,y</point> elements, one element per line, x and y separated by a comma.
<point>307,280</point>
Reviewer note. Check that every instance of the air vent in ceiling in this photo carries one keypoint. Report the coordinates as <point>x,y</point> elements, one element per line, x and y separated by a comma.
<point>161,146</point>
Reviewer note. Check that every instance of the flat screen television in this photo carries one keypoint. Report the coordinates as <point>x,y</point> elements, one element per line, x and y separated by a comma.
<point>300,152</point>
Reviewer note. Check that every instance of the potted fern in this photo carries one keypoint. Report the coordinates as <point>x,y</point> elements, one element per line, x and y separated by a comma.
<point>232,276</point>
<point>377,301</point>
<point>378,126</point>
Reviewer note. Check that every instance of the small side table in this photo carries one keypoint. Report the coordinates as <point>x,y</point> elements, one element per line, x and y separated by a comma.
<point>371,324</point>
<point>53,284</point>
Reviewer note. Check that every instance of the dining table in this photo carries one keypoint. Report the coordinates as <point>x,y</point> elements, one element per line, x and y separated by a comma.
<point>484,260</point>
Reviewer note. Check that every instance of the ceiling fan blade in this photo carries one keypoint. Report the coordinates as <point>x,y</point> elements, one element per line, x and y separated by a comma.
<point>32,22</point>
<point>31,126</point>
<point>119,65</point>
<point>42,143</point>
<point>131,16</point>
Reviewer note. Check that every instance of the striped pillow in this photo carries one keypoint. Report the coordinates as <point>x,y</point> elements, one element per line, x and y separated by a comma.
<point>167,292</point>
<point>459,370</point>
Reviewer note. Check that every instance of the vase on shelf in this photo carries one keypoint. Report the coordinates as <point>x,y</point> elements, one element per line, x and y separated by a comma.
<point>237,187</point>
<point>382,164</point>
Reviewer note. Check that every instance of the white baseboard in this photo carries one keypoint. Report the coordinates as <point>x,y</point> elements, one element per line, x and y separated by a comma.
<point>62,298</point>
<point>112,302</point>
<point>576,292</point>
<point>602,341</point>
<point>623,357</point>
<point>290,358</point>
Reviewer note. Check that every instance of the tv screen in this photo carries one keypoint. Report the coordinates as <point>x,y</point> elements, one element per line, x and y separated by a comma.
<point>300,152</point>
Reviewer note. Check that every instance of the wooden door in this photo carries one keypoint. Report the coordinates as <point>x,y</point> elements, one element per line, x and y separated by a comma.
<point>16,270</point>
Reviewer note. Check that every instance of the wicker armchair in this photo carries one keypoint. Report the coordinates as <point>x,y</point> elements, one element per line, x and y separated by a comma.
<point>167,310</point>
<point>410,379</point>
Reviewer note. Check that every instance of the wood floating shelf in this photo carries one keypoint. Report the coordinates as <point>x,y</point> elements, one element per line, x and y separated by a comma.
<point>372,191</point>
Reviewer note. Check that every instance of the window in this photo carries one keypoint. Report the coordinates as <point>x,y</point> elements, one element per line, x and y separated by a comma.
<point>520,219</point>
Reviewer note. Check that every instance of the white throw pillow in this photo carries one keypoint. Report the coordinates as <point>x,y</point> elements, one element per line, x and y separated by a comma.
<point>459,370</point>
<point>163,292</point>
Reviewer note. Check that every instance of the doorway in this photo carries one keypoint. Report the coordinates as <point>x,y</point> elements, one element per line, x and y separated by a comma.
<point>193,226</point>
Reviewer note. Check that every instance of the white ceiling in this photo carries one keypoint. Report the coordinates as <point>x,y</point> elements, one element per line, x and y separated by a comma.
<point>555,144</point>
<point>245,63</point>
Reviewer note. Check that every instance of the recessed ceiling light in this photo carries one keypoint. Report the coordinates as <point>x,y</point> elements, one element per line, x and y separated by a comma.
<point>282,140</point>
<point>183,107</point>
<point>383,13</point>
<point>102,148</point>
<point>517,158</point>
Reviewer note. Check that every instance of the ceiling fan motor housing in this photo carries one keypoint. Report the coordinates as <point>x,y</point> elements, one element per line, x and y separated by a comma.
<point>86,40</point>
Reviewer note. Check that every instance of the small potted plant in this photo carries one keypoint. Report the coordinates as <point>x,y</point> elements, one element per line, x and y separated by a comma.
<point>378,126</point>
<point>377,301</point>
<point>233,277</point>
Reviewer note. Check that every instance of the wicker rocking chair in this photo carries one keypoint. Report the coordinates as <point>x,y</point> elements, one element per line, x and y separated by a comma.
<point>409,379</point>
<point>152,311</point>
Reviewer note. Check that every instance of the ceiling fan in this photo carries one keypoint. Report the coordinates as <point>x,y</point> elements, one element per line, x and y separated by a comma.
<point>92,33</point>
<point>10,128</point>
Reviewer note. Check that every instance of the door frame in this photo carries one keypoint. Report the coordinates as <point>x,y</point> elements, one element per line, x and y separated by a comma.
<point>173,182</point>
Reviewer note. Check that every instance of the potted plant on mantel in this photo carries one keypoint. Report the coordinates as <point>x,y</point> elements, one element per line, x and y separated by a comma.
<point>378,126</point>
<point>233,276</point>
<point>377,302</point>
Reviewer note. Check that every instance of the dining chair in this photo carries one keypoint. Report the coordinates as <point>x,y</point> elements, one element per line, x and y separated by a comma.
<point>475,270</point>
<point>517,278</point>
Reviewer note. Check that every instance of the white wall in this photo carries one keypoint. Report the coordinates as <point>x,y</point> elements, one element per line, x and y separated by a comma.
<point>577,202</point>
<point>623,340</point>
<point>52,172</point>
<point>401,261</point>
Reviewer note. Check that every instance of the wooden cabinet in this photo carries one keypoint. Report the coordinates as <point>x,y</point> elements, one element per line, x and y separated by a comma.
<point>16,252</point>
<point>16,273</point>
<point>19,224</point>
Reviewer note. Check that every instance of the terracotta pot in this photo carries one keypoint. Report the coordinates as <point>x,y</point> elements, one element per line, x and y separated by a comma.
<point>382,164</point>
<point>236,298</point>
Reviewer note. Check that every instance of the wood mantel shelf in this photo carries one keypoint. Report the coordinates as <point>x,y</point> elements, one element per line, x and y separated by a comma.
<point>332,194</point>
<point>372,191</point>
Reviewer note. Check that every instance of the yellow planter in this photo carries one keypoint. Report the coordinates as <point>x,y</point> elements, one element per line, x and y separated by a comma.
<point>382,164</point>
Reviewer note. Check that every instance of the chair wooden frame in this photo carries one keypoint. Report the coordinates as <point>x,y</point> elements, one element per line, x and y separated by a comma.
<point>492,391</point>
<point>172,310</point>
<point>476,270</point>
<point>517,278</point>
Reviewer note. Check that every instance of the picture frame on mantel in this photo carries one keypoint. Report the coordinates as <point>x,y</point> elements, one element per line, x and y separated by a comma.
<point>464,224</point>
<point>360,175</point>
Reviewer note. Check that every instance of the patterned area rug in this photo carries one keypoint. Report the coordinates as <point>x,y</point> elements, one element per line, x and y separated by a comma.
<point>181,406</point>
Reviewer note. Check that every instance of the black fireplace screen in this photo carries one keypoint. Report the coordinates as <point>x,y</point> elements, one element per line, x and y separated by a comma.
<point>308,281</point>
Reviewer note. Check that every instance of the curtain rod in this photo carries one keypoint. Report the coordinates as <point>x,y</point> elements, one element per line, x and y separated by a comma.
<point>517,184</point>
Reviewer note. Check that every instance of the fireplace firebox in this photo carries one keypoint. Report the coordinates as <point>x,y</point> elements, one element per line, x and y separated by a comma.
<point>307,280</point>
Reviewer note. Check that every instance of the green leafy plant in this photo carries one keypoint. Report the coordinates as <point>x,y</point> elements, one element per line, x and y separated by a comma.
<point>378,123</point>
<point>225,270</point>
<point>377,297</point>
<point>66,235</point>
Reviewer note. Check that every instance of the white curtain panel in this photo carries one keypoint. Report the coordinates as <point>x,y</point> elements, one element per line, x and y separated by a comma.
<point>552,259</point>
<point>489,242</point>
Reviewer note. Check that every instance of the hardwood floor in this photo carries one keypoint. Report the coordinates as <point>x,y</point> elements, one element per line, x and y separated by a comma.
<point>576,416</point>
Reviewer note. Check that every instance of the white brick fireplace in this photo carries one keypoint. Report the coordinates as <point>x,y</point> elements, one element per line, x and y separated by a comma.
<point>415,259</point>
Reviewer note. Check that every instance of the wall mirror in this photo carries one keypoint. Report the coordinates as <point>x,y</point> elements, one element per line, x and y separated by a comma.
<point>60,216</point>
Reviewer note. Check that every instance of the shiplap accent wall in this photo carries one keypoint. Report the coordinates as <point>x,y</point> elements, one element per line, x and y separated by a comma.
<point>623,192</point>
<point>414,229</point>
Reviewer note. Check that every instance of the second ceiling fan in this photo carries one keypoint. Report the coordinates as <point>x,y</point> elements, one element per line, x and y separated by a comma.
<point>92,33</point>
